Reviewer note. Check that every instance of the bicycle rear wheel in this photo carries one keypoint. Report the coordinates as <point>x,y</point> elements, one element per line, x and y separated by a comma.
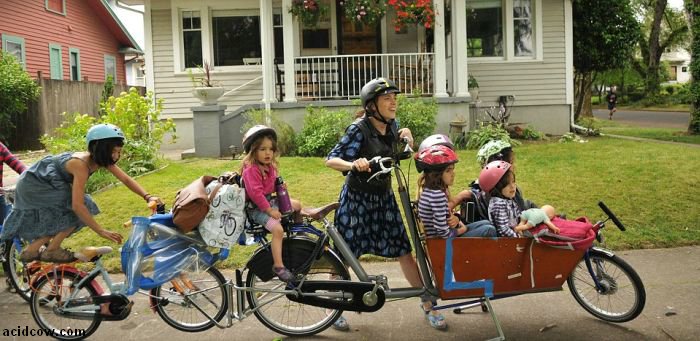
<point>15,270</point>
<point>48,298</point>
<point>283,316</point>
<point>176,300</point>
<point>622,296</point>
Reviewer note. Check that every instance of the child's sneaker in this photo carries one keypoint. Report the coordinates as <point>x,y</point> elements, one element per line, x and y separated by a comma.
<point>283,273</point>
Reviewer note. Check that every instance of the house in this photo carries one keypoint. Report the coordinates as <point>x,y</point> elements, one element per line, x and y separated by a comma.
<point>678,65</point>
<point>77,40</point>
<point>264,57</point>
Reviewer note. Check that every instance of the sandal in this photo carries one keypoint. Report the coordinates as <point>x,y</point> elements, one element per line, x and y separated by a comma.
<point>341,324</point>
<point>436,320</point>
<point>57,256</point>
<point>28,256</point>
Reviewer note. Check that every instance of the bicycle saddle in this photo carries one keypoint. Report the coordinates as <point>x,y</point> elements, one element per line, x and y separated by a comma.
<point>89,253</point>
<point>320,212</point>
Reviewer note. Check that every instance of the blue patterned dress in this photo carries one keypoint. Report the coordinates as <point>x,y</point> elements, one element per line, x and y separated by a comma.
<point>369,223</point>
<point>43,201</point>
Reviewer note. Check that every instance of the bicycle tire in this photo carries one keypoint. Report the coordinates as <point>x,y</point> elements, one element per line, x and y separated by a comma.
<point>617,278</point>
<point>44,300</point>
<point>174,307</point>
<point>15,270</point>
<point>288,317</point>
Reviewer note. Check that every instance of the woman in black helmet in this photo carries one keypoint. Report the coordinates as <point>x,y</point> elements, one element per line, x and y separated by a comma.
<point>369,218</point>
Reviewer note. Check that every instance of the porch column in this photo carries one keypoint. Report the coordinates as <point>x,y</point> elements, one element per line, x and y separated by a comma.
<point>439,44</point>
<point>268,52</point>
<point>288,42</point>
<point>459,49</point>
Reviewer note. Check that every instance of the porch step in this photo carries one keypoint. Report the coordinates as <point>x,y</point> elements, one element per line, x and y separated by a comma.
<point>187,154</point>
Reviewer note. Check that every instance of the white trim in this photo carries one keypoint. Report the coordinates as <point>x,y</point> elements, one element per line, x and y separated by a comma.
<point>289,52</point>
<point>460,68</point>
<point>148,40</point>
<point>440,76</point>
<point>569,54</point>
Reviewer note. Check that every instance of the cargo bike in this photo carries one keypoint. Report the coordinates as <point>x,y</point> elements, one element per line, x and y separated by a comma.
<point>177,272</point>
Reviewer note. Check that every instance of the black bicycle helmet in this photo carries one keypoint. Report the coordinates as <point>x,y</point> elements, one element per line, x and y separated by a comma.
<point>253,133</point>
<point>376,87</point>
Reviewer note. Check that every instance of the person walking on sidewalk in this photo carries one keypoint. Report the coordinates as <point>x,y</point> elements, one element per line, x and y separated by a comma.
<point>611,99</point>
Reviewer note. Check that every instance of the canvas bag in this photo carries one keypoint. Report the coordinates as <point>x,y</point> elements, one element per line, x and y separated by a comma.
<point>573,235</point>
<point>226,218</point>
<point>192,204</point>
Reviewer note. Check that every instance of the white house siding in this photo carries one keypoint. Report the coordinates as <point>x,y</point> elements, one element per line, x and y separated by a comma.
<point>176,89</point>
<point>539,86</point>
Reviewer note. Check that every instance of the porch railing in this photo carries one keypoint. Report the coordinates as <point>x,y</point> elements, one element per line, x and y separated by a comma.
<point>342,76</point>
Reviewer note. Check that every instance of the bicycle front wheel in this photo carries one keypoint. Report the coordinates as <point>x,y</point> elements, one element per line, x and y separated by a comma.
<point>621,296</point>
<point>15,270</point>
<point>49,298</point>
<point>179,301</point>
<point>283,316</point>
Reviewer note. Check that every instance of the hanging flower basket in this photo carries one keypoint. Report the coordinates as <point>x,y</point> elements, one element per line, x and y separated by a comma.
<point>308,12</point>
<point>413,12</point>
<point>367,12</point>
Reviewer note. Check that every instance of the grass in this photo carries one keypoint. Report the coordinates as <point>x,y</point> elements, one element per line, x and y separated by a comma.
<point>651,187</point>
<point>662,134</point>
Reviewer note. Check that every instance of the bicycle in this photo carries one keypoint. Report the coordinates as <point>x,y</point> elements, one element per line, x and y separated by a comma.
<point>17,272</point>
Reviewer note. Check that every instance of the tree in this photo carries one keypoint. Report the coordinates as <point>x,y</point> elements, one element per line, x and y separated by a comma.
<point>693,9</point>
<point>16,90</point>
<point>664,28</point>
<point>602,32</point>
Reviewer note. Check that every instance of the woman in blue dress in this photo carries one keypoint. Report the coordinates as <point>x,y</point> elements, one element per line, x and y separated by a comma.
<point>50,199</point>
<point>369,218</point>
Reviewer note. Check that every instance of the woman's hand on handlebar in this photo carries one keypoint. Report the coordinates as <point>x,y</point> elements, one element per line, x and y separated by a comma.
<point>360,165</point>
<point>405,135</point>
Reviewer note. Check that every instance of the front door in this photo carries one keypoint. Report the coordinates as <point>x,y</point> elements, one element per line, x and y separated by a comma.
<point>357,39</point>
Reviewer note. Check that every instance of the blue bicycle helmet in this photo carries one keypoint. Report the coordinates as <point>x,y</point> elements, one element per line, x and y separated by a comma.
<point>103,131</point>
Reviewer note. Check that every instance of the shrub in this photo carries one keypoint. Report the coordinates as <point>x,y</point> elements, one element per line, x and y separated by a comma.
<point>139,119</point>
<point>322,130</point>
<point>530,133</point>
<point>591,124</point>
<point>285,132</point>
<point>16,90</point>
<point>486,133</point>
<point>417,114</point>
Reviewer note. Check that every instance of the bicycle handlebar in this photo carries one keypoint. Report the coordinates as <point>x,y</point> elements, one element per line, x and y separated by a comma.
<point>611,215</point>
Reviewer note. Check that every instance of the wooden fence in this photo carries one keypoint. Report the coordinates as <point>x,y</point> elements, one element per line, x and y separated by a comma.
<point>57,96</point>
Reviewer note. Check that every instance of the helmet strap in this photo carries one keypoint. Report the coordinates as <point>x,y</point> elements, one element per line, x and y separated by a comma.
<point>376,114</point>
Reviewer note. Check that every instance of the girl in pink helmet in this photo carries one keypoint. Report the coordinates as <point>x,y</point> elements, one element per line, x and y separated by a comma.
<point>498,180</point>
<point>434,206</point>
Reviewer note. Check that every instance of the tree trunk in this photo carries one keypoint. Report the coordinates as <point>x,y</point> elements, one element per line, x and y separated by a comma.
<point>582,91</point>
<point>652,72</point>
<point>693,8</point>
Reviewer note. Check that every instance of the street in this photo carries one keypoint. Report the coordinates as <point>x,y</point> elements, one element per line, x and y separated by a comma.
<point>647,119</point>
<point>671,278</point>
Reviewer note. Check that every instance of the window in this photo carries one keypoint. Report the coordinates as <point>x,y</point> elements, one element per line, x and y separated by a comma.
<point>14,46</point>
<point>522,28</point>
<point>278,30</point>
<point>192,38</point>
<point>56,61</point>
<point>503,29</point>
<point>684,69</point>
<point>56,6</point>
<point>318,37</point>
<point>235,36</point>
<point>111,67</point>
<point>484,28</point>
<point>74,56</point>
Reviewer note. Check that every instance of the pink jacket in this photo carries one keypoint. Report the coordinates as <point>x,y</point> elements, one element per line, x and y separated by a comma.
<point>259,181</point>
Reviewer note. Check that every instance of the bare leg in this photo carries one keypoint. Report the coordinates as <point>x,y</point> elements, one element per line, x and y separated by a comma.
<point>296,205</point>
<point>55,243</point>
<point>35,245</point>
<point>410,271</point>
<point>277,236</point>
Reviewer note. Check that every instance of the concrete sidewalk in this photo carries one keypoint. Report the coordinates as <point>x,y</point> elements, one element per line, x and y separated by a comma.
<point>671,278</point>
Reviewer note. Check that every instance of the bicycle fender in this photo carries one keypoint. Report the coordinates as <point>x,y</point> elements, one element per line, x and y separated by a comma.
<point>601,250</point>
<point>41,273</point>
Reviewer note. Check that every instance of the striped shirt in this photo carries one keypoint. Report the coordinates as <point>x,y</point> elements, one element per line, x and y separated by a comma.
<point>14,163</point>
<point>504,215</point>
<point>433,212</point>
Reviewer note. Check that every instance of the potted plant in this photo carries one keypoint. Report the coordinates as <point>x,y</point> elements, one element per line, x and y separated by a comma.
<point>309,12</point>
<point>473,87</point>
<point>366,12</point>
<point>413,12</point>
<point>205,89</point>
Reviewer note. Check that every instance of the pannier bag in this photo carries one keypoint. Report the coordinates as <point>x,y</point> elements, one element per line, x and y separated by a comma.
<point>192,204</point>
<point>573,235</point>
<point>225,221</point>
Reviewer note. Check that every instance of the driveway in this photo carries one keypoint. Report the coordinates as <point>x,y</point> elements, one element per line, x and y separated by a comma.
<point>671,278</point>
<point>648,119</point>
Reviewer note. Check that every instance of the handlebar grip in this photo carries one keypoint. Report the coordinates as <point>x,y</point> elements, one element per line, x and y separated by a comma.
<point>611,215</point>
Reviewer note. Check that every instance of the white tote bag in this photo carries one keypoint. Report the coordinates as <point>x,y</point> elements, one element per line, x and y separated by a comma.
<point>226,218</point>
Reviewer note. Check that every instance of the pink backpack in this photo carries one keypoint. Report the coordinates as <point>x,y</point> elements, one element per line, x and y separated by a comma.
<point>573,235</point>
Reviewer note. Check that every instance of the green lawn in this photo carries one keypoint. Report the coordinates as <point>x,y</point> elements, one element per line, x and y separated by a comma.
<point>662,134</point>
<point>652,188</point>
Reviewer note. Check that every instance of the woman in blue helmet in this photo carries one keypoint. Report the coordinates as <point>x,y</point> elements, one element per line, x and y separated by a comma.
<point>369,218</point>
<point>51,203</point>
